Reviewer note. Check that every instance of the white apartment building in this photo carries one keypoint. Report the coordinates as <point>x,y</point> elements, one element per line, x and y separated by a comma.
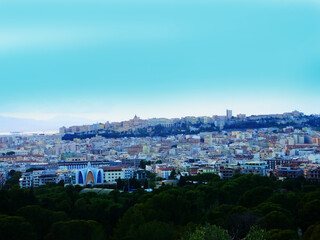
<point>111,174</point>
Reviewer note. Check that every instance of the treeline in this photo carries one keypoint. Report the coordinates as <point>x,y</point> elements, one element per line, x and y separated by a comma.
<point>270,123</point>
<point>200,207</point>
<point>314,122</point>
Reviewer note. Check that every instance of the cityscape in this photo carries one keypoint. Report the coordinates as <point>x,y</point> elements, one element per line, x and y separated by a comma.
<point>281,145</point>
<point>156,155</point>
<point>159,120</point>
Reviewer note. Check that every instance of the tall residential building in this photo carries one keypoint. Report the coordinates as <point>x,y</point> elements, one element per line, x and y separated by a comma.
<point>229,114</point>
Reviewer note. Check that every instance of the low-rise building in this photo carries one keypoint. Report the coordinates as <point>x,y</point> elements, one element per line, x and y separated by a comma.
<point>226,172</point>
<point>26,180</point>
<point>128,172</point>
<point>111,174</point>
<point>312,174</point>
<point>207,170</point>
<point>255,167</point>
<point>282,172</point>
<point>44,177</point>
<point>37,178</point>
<point>164,172</point>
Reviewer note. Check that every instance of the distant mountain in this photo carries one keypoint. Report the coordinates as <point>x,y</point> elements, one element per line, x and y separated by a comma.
<point>11,124</point>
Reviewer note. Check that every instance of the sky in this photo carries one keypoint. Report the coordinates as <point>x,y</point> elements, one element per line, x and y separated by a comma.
<point>109,60</point>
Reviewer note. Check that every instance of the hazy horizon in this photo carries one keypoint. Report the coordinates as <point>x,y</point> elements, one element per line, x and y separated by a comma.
<point>29,125</point>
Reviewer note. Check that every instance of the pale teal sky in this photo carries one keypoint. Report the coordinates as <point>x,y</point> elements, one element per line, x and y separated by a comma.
<point>109,60</point>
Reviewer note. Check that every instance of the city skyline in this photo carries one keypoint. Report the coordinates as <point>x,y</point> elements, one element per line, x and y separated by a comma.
<point>9,125</point>
<point>112,60</point>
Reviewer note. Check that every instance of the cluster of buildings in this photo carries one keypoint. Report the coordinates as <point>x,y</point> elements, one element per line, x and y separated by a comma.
<point>138,123</point>
<point>132,124</point>
<point>204,121</point>
<point>281,152</point>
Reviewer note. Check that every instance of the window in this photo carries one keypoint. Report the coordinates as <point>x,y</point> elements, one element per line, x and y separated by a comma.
<point>99,180</point>
<point>80,180</point>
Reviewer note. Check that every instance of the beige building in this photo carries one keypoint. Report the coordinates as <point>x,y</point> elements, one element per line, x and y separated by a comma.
<point>111,174</point>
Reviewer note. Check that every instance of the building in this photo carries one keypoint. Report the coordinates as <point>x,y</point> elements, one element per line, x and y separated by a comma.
<point>132,162</point>
<point>207,170</point>
<point>111,174</point>
<point>194,170</point>
<point>273,162</point>
<point>312,174</point>
<point>241,116</point>
<point>282,172</point>
<point>226,172</point>
<point>255,167</point>
<point>134,149</point>
<point>43,177</point>
<point>71,165</point>
<point>141,174</point>
<point>62,130</point>
<point>75,159</point>
<point>37,178</point>
<point>164,172</point>
<point>68,177</point>
<point>229,114</point>
<point>89,175</point>
<point>129,172</point>
<point>26,180</point>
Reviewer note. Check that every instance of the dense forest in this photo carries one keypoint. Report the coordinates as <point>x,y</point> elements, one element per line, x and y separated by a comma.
<point>201,207</point>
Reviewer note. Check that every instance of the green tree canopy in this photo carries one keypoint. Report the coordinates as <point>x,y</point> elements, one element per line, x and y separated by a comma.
<point>76,229</point>
<point>15,228</point>
<point>207,232</point>
<point>312,233</point>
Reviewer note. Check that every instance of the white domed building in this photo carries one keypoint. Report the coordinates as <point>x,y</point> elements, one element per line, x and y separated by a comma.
<point>89,175</point>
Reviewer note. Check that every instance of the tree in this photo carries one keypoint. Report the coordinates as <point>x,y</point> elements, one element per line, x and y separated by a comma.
<point>207,232</point>
<point>312,233</point>
<point>255,196</point>
<point>15,228</point>
<point>76,229</point>
<point>134,183</point>
<point>11,172</point>
<point>40,218</point>
<point>309,213</point>
<point>173,174</point>
<point>155,230</point>
<point>120,184</point>
<point>277,220</point>
<point>182,181</point>
<point>257,233</point>
<point>239,224</point>
<point>146,184</point>
<point>14,180</point>
<point>278,234</point>
<point>143,164</point>
<point>34,169</point>
<point>10,153</point>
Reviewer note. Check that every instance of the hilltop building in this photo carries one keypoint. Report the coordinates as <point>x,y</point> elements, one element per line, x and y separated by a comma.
<point>229,114</point>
